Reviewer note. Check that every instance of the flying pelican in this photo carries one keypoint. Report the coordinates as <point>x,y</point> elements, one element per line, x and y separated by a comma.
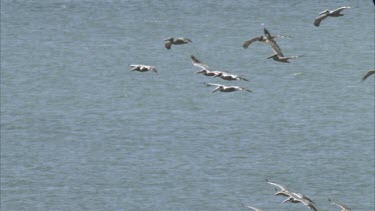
<point>223,88</point>
<point>142,68</point>
<point>208,72</point>
<point>285,192</point>
<point>250,207</point>
<point>284,59</point>
<point>343,207</point>
<point>275,47</point>
<point>370,72</point>
<point>261,38</point>
<point>296,198</point>
<point>324,14</point>
<point>175,41</point>
<point>229,77</point>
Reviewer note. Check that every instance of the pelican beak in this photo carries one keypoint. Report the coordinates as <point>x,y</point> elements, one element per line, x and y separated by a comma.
<point>270,57</point>
<point>168,39</point>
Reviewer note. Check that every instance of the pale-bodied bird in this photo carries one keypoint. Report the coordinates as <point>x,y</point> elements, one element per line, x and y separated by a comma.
<point>175,41</point>
<point>342,206</point>
<point>142,68</point>
<point>327,13</point>
<point>223,88</point>
<point>229,77</point>
<point>370,72</point>
<point>300,198</point>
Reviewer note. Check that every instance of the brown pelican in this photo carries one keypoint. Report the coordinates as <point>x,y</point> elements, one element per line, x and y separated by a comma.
<point>275,47</point>
<point>284,59</point>
<point>343,207</point>
<point>370,72</point>
<point>250,207</point>
<point>142,68</point>
<point>223,88</point>
<point>324,14</point>
<point>261,38</point>
<point>229,77</point>
<point>175,41</point>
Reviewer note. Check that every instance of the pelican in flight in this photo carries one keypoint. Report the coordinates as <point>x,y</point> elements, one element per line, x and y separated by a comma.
<point>229,77</point>
<point>300,198</point>
<point>343,207</point>
<point>250,207</point>
<point>278,54</point>
<point>370,72</point>
<point>208,72</point>
<point>261,38</point>
<point>292,196</point>
<point>175,41</point>
<point>142,68</point>
<point>223,88</point>
<point>275,47</point>
<point>324,14</point>
<point>284,59</point>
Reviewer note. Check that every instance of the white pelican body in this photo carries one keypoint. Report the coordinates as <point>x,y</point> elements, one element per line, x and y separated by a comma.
<point>223,88</point>
<point>175,41</point>
<point>229,77</point>
<point>324,14</point>
<point>142,68</point>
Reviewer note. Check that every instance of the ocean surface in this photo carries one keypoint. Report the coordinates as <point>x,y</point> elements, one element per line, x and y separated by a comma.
<point>80,131</point>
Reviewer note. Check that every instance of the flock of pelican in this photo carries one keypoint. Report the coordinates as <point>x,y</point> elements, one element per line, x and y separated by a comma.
<point>266,38</point>
<point>278,56</point>
<point>294,197</point>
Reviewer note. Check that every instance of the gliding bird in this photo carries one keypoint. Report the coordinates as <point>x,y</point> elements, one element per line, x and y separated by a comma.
<point>324,14</point>
<point>223,88</point>
<point>175,41</point>
<point>142,68</point>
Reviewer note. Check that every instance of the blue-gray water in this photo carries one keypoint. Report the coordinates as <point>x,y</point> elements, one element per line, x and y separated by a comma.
<point>79,131</point>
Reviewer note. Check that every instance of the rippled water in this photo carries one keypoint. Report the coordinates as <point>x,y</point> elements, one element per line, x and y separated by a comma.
<point>79,131</point>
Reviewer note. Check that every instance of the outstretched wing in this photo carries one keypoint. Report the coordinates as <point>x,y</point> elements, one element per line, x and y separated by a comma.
<point>211,84</point>
<point>319,19</point>
<point>275,47</point>
<point>250,207</point>
<point>248,42</point>
<point>198,63</point>
<point>338,10</point>
<point>342,206</point>
<point>370,72</point>
<point>282,36</point>
<point>277,185</point>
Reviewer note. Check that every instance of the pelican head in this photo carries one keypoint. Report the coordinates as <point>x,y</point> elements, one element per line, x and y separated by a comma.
<point>326,11</point>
